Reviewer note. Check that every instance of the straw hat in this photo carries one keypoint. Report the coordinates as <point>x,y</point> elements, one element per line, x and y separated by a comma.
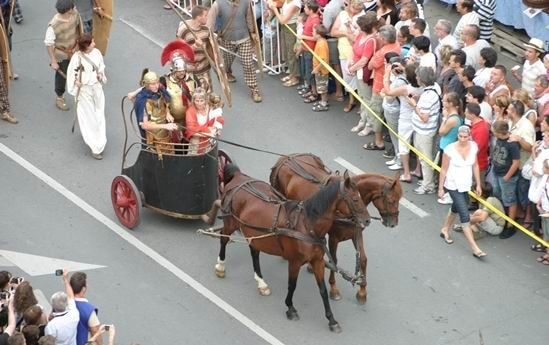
<point>535,43</point>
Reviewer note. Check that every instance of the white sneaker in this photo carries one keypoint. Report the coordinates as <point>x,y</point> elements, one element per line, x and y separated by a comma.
<point>366,131</point>
<point>357,128</point>
<point>392,161</point>
<point>396,166</point>
<point>445,200</point>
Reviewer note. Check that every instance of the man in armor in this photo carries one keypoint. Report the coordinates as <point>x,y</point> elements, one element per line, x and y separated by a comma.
<point>237,33</point>
<point>153,114</point>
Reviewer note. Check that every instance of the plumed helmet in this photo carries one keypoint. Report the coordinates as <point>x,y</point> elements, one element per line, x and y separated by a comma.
<point>178,52</point>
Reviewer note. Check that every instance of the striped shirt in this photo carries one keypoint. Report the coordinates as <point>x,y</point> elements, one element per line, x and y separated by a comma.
<point>529,74</point>
<point>429,102</point>
<point>485,10</point>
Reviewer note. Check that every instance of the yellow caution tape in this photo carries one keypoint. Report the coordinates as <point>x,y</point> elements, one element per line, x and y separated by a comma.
<point>413,149</point>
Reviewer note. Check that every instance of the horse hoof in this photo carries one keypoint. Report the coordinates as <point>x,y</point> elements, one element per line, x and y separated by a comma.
<point>335,295</point>
<point>219,273</point>
<point>292,315</point>
<point>335,328</point>
<point>309,268</point>
<point>266,291</point>
<point>361,299</point>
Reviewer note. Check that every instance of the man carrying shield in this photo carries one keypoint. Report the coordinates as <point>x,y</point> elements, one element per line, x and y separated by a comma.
<point>196,33</point>
<point>238,35</point>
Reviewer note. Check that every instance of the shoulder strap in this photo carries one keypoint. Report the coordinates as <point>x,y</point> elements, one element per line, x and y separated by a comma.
<point>230,21</point>
<point>83,56</point>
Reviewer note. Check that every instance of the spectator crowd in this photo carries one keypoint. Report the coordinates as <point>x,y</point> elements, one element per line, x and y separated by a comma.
<point>426,87</point>
<point>73,319</point>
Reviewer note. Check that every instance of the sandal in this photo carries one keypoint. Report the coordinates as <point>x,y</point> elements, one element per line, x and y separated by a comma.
<point>373,147</point>
<point>479,255</point>
<point>545,262</point>
<point>291,82</point>
<point>311,99</point>
<point>403,179</point>
<point>320,107</point>
<point>340,98</point>
<point>349,107</point>
<point>303,91</point>
<point>285,79</point>
<point>446,238</point>
<point>542,258</point>
<point>167,7</point>
<point>537,248</point>
<point>307,94</point>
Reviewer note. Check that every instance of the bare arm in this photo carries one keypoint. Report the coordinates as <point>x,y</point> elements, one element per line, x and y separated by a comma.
<point>212,15</point>
<point>447,125</point>
<point>68,287</point>
<point>283,18</point>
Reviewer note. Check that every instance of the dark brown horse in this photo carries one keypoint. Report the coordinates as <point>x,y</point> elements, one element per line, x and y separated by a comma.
<point>299,176</point>
<point>290,229</point>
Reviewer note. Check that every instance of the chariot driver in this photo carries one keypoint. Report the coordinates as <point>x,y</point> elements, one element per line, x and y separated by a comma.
<point>153,114</point>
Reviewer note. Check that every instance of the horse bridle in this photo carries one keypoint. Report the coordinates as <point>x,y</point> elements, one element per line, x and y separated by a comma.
<point>384,193</point>
<point>348,200</point>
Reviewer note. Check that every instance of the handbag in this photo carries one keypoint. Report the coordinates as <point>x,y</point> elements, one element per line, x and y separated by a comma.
<point>366,72</point>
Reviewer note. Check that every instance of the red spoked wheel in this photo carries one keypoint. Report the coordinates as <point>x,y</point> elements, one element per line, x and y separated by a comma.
<point>223,159</point>
<point>126,201</point>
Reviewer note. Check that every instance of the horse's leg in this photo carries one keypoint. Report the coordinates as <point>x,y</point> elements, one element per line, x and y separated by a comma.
<point>318,270</point>
<point>209,218</point>
<point>262,287</point>
<point>334,291</point>
<point>362,291</point>
<point>223,240</point>
<point>293,273</point>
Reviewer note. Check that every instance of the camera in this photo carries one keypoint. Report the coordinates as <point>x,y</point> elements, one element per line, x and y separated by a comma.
<point>4,295</point>
<point>107,327</point>
<point>58,272</point>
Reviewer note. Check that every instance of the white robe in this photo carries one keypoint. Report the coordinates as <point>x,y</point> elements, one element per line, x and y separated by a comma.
<point>90,98</point>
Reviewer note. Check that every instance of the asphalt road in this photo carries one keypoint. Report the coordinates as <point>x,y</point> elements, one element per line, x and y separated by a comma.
<point>158,284</point>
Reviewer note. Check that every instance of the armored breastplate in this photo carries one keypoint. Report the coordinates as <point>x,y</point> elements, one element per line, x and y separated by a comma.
<point>177,107</point>
<point>156,110</point>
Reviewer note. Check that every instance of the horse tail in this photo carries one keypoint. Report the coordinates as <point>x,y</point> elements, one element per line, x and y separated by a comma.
<point>229,171</point>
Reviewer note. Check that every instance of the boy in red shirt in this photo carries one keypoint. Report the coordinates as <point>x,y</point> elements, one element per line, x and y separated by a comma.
<point>480,133</point>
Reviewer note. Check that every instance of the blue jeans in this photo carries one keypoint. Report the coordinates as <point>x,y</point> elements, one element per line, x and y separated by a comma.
<point>306,67</point>
<point>506,191</point>
<point>460,205</point>
<point>523,185</point>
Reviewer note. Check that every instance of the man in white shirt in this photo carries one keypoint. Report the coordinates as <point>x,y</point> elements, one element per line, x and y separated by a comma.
<point>468,16</point>
<point>64,317</point>
<point>472,45</point>
<point>533,66</point>
<point>443,30</point>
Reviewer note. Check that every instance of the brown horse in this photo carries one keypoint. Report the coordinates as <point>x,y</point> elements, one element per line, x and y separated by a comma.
<point>290,229</point>
<point>299,176</point>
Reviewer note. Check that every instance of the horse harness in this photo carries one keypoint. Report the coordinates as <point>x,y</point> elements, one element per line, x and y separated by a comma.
<point>290,208</point>
<point>383,195</point>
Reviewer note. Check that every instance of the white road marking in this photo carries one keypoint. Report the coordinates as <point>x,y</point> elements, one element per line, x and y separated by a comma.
<point>35,265</point>
<point>5,262</point>
<point>404,202</point>
<point>125,235</point>
<point>142,32</point>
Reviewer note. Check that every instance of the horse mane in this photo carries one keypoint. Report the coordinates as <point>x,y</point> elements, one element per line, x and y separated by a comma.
<point>319,202</point>
<point>229,171</point>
